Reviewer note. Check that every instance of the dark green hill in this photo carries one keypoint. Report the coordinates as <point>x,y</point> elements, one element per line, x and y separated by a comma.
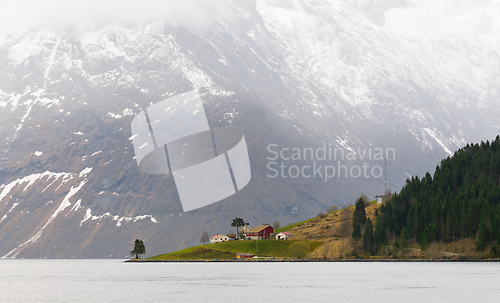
<point>461,200</point>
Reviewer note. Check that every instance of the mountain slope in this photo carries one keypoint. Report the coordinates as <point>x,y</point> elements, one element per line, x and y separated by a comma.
<point>348,75</point>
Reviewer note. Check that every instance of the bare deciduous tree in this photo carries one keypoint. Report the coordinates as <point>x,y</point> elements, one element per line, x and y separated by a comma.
<point>365,199</point>
<point>387,196</point>
<point>331,209</point>
<point>345,230</point>
<point>326,250</point>
<point>435,250</point>
<point>204,237</point>
<point>343,249</point>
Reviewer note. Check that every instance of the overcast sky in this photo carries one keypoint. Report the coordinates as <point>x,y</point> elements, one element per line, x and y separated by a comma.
<point>56,13</point>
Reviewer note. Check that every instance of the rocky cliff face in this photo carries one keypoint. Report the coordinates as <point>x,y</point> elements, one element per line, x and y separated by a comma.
<point>418,78</point>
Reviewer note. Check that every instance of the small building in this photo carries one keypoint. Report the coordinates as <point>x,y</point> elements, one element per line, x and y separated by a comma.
<point>283,235</point>
<point>243,231</point>
<point>219,238</point>
<point>379,198</point>
<point>231,236</point>
<point>244,255</point>
<point>260,232</point>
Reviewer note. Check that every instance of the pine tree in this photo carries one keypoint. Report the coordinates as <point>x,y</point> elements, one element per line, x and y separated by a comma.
<point>379,235</point>
<point>403,238</point>
<point>483,236</point>
<point>368,241</point>
<point>356,231</point>
<point>359,216</point>
<point>464,191</point>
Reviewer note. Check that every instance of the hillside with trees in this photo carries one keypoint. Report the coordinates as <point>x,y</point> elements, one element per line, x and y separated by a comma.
<point>454,214</point>
<point>461,200</point>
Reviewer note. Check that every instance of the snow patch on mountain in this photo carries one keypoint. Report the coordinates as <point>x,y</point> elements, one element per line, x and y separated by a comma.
<point>76,206</point>
<point>12,99</point>
<point>31,179</point>
<point>49,102</point>
<point>52,57</point>
<point>27,45</point>
<point>85,172</point>
<point>62,206</point>
<point>434,134</point>
<point>119,220</point>
<point>126,112</point>
<point>10,210</point>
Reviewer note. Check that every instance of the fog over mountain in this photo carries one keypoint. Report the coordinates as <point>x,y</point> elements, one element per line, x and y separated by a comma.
<point>420,78</point>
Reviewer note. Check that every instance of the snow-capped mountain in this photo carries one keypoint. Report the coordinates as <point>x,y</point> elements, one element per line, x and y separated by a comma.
<point>419,77</point>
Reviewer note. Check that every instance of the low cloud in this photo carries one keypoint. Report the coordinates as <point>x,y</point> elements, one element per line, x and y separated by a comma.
<point>30,14</point>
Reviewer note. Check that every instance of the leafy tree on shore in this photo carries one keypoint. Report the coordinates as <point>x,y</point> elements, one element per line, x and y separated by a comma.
<point>276,225</point>
<point>139,248</point>
<point>237,222</point>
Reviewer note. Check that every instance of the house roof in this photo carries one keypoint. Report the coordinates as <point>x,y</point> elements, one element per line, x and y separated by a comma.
<point>219,235</point>
<point>286,233</point>
<point>258,228</point>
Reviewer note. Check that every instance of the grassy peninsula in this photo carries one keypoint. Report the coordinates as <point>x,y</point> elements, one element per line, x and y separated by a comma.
<point>453,214</point>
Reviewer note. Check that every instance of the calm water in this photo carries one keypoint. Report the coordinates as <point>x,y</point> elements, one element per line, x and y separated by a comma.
<point>115,281</point>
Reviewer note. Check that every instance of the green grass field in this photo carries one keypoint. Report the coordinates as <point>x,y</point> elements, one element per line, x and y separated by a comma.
<point>261,248</point>
<point>228,250</point>
<point>194,253</point>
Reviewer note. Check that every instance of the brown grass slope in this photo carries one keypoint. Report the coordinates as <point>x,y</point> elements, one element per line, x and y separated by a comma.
<point>334,230</point>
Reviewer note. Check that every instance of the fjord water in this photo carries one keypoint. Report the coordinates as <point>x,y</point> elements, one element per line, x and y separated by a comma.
<point>116,281</point>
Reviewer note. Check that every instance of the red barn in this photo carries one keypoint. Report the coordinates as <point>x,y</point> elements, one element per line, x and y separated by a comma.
<point>244,255</point>
<point>260,232</point>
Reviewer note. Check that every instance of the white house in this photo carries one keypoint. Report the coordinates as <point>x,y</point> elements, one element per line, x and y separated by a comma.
<point>283,235</point>
<point>219,238</point>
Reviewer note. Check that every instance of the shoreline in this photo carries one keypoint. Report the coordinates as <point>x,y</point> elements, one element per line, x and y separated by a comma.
<point>313,260</point>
